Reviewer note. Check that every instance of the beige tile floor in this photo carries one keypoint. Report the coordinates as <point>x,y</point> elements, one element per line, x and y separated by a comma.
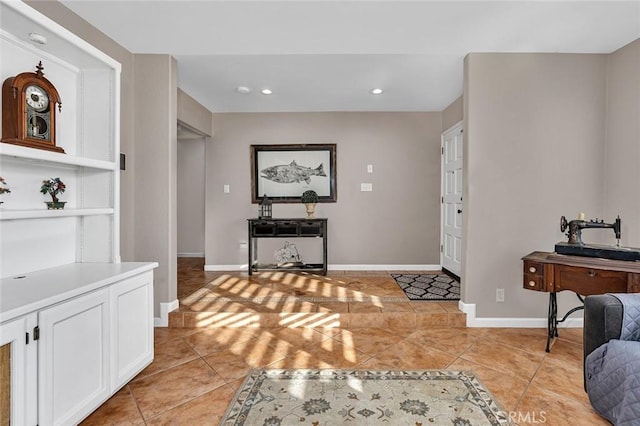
<point>202,360</point>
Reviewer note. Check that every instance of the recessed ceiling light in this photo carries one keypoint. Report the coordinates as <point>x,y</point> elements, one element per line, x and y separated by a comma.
<point>243,90</point>
<point>376,91</point>
<point>37,38</point>
<point>266,91</point>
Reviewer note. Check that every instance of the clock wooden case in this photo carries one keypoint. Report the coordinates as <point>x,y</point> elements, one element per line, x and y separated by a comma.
<point>29,110</point>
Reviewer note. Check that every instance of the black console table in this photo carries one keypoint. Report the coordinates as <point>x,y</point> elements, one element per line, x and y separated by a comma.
<point>286,228</point>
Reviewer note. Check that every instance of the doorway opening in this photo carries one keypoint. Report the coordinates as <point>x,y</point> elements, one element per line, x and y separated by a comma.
<point>191,191</point>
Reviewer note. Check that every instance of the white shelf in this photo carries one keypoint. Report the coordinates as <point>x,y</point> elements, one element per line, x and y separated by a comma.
<point>55,158</point>
<point>40,214</point>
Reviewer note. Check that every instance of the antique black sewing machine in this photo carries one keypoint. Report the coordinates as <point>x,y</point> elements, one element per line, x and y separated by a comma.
<point>575,246</point>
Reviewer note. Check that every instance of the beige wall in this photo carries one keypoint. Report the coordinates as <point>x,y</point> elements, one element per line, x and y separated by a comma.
<point>156,86</point>
<point>63,16</point>
<point>191,196</point>
<point>452,114</point>
<point>194,114</point>
<point>398,223</point>
<point>622,171</point>
<point>534,132</point>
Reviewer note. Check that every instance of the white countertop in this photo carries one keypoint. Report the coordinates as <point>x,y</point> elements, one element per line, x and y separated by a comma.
<point>23,294</point>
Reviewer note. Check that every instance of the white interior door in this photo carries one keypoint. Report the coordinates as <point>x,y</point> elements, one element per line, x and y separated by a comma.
<point>451,214</point>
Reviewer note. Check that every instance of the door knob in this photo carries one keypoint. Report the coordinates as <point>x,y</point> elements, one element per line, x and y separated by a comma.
<point>459,211</point>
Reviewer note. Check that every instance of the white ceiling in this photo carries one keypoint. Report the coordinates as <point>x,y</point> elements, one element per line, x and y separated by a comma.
<point>326,55</point>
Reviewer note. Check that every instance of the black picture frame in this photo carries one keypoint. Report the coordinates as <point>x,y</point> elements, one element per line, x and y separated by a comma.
<point>284,172</point>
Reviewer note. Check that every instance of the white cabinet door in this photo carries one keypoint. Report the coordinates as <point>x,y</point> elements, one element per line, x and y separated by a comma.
<point>132,328</point>
<point>73,358</point>
<point>18,368</point>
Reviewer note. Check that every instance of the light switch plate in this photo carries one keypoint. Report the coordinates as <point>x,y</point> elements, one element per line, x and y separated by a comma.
<point>367,187</point>
<point>226,189</point>
<point>369,168</point>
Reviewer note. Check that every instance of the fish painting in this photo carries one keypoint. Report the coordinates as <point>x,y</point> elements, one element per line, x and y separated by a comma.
<point>292,173</point>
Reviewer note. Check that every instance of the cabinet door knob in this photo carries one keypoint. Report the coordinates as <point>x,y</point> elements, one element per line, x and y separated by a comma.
<point>532,269</point>
<point>532,283</point>
<point>592,273</point>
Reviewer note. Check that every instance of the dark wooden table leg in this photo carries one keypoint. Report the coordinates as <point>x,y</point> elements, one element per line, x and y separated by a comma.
<point>324,248</point>
<point>552,320</point>
<point>250,247</point>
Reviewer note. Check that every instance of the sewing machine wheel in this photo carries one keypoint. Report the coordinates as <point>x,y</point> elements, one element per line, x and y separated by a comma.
<point>563,224</point>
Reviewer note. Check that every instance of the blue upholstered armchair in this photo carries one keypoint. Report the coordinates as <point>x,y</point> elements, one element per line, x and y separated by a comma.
<point>612,356</point>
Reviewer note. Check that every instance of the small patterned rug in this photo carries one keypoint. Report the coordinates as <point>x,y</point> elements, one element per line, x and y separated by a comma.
<point>428,286</point>
<point>363,397</point>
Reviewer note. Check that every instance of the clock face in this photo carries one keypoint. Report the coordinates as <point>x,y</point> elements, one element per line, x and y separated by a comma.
<point>37,98</point>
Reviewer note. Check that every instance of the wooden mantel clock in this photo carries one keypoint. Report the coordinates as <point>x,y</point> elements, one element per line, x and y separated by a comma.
<point>28,110</point>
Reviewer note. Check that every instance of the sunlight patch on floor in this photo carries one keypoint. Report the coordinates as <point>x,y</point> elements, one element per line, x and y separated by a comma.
<point>318,319</point>
<point>228,282</point>
<point>224,319</point>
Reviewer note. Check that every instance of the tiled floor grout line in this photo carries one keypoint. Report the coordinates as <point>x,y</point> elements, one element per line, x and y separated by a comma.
<point>551,390</point>
<point>135,401</point>
<point>526,388</point>
<point>225,383</point>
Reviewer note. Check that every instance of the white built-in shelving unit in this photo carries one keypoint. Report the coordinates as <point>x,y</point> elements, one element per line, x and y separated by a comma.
<point>88,81</point>
<point>77,322</point>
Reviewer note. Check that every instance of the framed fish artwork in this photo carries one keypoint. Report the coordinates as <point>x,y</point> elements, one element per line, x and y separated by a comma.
<point>284,172</point>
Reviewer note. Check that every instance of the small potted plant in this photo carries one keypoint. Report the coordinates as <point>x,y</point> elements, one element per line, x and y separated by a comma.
<point>53,187</point>
<point>4,189</point>
<point>309,199</point>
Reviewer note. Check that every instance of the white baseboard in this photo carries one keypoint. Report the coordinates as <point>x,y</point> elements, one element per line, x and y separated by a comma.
<point>473,321</point>
<point>384,267</point>
<point>340,267</point>
<point>190,254</point>
<point>165,308</point>
<point>210,268</point>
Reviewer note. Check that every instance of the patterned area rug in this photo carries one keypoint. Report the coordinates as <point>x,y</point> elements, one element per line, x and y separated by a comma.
<point>363,397</point>
<point>428,286</point>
